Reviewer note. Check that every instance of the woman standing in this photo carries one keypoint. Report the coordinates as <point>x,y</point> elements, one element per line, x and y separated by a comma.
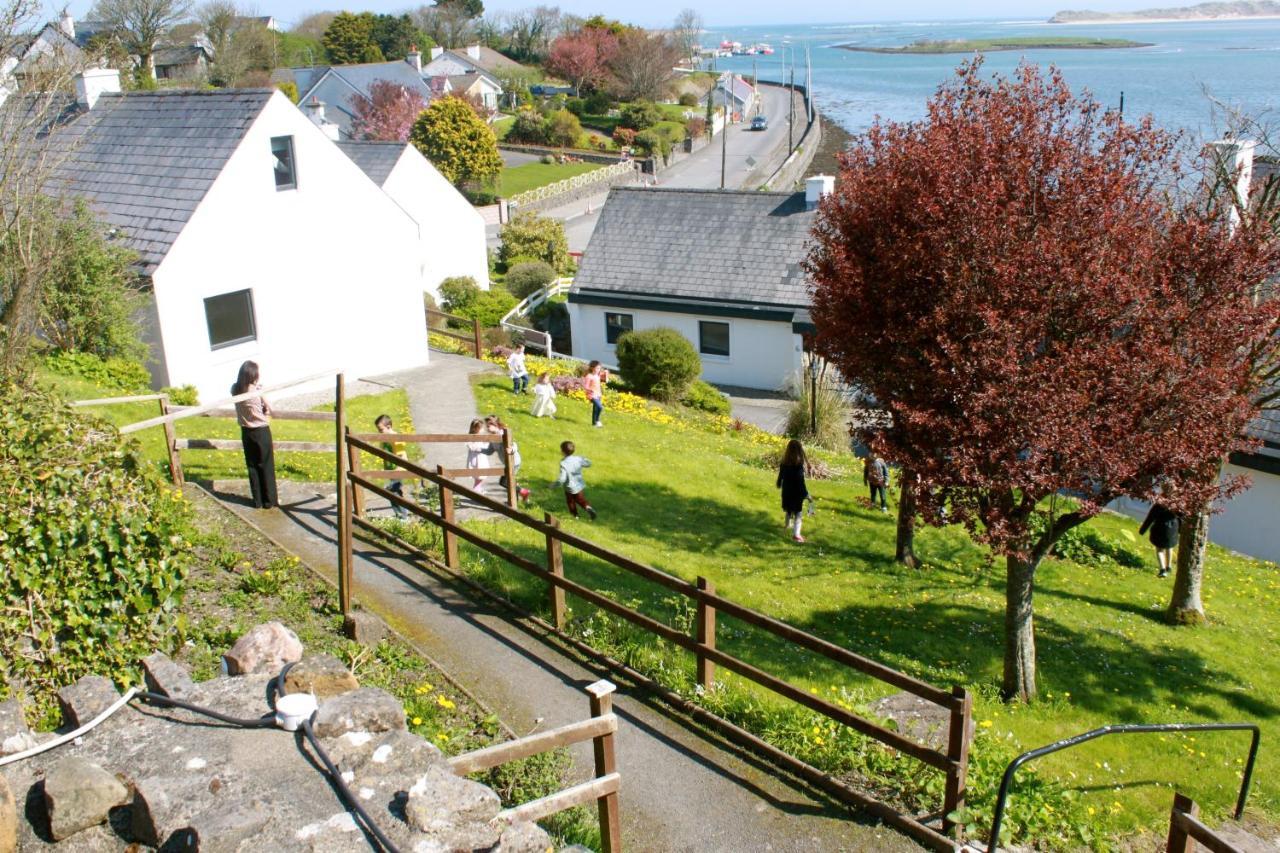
<point>255,435</point>
<point>1164,534</point>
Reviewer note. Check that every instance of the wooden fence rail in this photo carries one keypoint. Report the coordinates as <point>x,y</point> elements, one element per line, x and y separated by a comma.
<point>1187,833</point>
<point>958,703</point>
<point>473,338</point>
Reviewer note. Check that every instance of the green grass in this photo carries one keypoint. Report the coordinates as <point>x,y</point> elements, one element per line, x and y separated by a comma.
<point>503,126</point>
<point>530,176</point>
<point>694,503</point>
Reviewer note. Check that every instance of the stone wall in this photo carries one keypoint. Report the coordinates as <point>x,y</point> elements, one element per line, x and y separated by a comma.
<point>583,192</point>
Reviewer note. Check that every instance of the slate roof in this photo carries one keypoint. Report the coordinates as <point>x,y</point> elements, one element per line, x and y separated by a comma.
<point>144,160</point>
<point>336,85</point>
<point>722,246</point>
<point>490,60</point>
<point>184,55</point>
<point>375,159</point>
<point>740,89</point>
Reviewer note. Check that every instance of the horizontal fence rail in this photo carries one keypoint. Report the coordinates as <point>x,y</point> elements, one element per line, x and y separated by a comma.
<point>1186,831</point>
<point>577,182</point>
<point>958,703</point>
<point>471,337</point>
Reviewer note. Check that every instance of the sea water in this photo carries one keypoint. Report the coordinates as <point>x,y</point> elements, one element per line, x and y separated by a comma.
<point>1188,66</point>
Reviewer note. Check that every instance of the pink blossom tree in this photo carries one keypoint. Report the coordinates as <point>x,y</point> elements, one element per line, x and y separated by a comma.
<point>387,114</point>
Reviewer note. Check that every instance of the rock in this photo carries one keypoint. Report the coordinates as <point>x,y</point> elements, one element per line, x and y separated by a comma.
<point>918,719</point>
<point>8,819</point>
<point>222,829</point>
<point>323,675</point>
<point>13,719</point>
<point>445,806</point>
<point>265,649</point>
<point>161,807</point>
<point>165,677</point>
<point>368,709</point>
<point>365,628</point>
<point>524,837</point>
<point>86,699</point>
<point>79,795</point>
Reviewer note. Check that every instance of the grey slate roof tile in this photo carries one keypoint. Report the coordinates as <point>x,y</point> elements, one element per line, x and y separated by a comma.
<point>375,159</point>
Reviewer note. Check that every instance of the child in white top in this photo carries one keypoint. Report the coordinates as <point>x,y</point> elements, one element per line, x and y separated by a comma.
<point>544,397</point>
<point>477,450</point>
<point>517,371</point>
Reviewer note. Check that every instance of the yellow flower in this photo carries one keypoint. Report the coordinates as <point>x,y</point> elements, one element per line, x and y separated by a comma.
<point>445,703</point>
<point>986,724</point>
<point>417,721</point>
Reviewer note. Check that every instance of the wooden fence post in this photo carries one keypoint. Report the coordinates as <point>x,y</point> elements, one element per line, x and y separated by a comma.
<point>555,565</point>
<point>475,335</point>
<point>354,466</point>
<point>1179,842</point>
<point>171,445</point>
<point>508,463</point>
<point>706,635</point>
<point>446,512</point>
<point>610,826</point>
<point>957,752</point>
<point>344,522</point>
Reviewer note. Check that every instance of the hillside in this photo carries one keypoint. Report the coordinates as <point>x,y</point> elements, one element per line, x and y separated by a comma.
<point>1198,12</point>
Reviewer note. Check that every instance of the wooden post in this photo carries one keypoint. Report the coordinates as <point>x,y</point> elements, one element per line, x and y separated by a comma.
<point>171,445</point>
<point>446,512</point>
<point>555,565</point>
<point>509,463</point>
<point>706,635</point>
<point>610,826</point>
<point>357,494</point>
<point>1179,842</point>
<point>958,752</point>
<point>344,522</point>
<point>475,336</point>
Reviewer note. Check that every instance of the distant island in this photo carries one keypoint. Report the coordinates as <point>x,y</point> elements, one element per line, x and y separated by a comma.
<point>996,44</point>
<point>1199,12</point>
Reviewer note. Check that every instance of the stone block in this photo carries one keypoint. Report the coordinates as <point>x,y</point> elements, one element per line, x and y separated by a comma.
<point>86,699</point>
<point>8,819</point>
<point>222,829</point>
<point>365,628</point>
<point>78,795</point>
<point>368,709</point>
<point>524,837</point>
<point>167,678</point>
<point>323,675</point>
<point>265,649</point>
<point>918,719</point>
<point>161,807</point>
<point>441,803</point>
<point>14,734</point>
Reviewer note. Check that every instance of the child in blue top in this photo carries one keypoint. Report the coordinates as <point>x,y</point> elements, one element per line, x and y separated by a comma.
<point>571,467</point>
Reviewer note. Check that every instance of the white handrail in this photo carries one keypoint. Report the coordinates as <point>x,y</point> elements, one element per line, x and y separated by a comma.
<point>535,300</point>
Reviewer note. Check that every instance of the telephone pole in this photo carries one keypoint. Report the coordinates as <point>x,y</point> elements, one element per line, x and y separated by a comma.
<point>791,105</point>
<point>724,135</point>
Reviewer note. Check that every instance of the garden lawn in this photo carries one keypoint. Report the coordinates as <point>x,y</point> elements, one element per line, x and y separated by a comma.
<point>692,502</point>
<point>517,179</point>
<point>229,464</point>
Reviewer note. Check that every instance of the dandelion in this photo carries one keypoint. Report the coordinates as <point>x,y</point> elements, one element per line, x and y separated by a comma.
<point>417,721</point>
<point>445,703</point>
<point>986,724</point>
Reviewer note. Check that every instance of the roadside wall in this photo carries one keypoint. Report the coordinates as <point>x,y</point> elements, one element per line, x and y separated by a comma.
<point>788,171</point>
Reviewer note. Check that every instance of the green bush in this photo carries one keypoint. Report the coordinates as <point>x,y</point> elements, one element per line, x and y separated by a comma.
<point>534,236</point>
<point>529,277</point>
<point>563,129</point>
<point>182,395</point>
<point>577,106</point>
<point>660,363</point>
<point>597,103</point>
<point>704,396</point>
<point>95,555</point>
<point>529,127</point>
<point>458,293</point>
<point>688,99</point>
<point>640,115</point>
<point>119,373</point>
<point>491,306</point>
<point>654,142</point>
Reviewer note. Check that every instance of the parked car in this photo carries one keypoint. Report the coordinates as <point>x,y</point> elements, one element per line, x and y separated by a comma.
<point>760,122</point>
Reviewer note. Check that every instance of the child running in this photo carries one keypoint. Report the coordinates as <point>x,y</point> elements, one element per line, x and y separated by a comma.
<point>497,427</point>
<point>544,397</point>
<point>396,487</point>
<point>575,488</point>
<point>794,491</point>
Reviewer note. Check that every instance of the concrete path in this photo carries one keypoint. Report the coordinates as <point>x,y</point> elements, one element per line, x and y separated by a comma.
<point>765,409</point>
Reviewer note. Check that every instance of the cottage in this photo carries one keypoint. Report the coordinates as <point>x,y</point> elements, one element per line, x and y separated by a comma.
<point>53,46</point>
<point>475,85</point>
<point>340,87</point>
<point>722,267</point>
<point>256,236</point>
<point>740,96</point>
<point>183,62</point>
<point>487,65</point>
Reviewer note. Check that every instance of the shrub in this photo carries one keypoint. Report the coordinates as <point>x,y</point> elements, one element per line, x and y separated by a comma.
<point>529,127</point>
<point>182,395</point>
<point>289,88</point>
<point>529,277</point>
<point>577,106</point>
<point>95,557</point>
<point>654,143</point>
<point>118,373</point>
<point>704,396</point>
<point>640,115</point>
<point>660,362</point>
<point>547,159</point>
<point>534,236</point>
<point>430,304</point>
<point>458,293</point>
<point>832,414</point>
<point>695,127</point>
<point>597,103</point>
<point>688,99</point>
<point>563,129</point>
<point>488,306</point>
<point>624,137</point>
<point>497,338</point>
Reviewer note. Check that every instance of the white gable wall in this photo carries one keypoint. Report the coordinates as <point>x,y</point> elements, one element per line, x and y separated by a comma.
<point>453,238</point>
<point>446,66</point>
<point>334,267</point>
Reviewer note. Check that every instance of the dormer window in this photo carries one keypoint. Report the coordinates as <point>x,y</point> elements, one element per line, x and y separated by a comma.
<point>285,168</point>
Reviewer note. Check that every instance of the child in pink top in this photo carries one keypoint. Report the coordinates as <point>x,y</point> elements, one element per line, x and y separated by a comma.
<point>593,383</point>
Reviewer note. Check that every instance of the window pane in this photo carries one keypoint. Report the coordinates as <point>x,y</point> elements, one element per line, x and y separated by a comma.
<point>230,318</point>
<point>713,338</point>
<point>282,148</point>
<point>616,324</point>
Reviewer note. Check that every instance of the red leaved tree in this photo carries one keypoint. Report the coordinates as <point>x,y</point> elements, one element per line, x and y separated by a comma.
<point>1011,280</point>
<point>387,114</point>
<point>583,57</point>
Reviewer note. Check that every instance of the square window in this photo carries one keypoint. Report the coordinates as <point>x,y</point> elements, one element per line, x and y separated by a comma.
<point>230,319</point>
<point>713,338</point>
<point>616,324</point>
<point>285,169</point>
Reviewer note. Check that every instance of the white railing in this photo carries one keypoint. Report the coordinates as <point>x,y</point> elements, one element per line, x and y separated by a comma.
<point>595,176</point>
<point>535,300</point>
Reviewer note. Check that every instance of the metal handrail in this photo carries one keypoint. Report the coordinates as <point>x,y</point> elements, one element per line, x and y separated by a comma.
<point>993,839</point>
<point>535,300</point>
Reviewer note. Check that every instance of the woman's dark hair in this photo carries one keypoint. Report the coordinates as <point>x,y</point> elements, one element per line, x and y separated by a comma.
<point>247,378</point>
<point>592,365</point>
<point>477,426</point>
<point>794,454</point>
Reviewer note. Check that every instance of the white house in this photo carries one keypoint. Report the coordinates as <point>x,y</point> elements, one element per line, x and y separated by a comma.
<point>260,239</point>
<point>53,45</point>
<point>722,267</point>
<point>734,91</point>
<point>453,236</point>
<point>341,87</point>
<point>474,70</point>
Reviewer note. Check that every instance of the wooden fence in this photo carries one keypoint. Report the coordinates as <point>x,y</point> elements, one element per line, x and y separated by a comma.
<point>473,338</point>
<point>953,761</point>
<point>1187,833</point>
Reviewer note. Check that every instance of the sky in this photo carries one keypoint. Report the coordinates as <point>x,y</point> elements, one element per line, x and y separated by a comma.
<point>721,13</point>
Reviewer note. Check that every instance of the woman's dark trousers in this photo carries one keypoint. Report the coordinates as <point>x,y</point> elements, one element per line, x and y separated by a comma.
<point>260,459</point>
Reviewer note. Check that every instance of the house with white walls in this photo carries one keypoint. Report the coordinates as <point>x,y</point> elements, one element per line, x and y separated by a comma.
<point>340,87</point>
<point>475,71</point>
<point>257,237</point>
<point>52,46</point>
<point>453,236</point>
<point>722,267</point>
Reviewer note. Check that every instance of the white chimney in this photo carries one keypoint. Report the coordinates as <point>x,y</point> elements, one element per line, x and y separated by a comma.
<point>473,51</point>
<point>816,188</point>
<point>315,111</point>
<point>414,58</point>
<point>1232,159</point>
<point>68,24</point>
<point>436,53</point>
<point>94,82</point>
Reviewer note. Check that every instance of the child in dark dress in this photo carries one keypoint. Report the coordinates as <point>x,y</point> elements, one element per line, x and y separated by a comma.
<point>794,491</point>
<point>1163,523</point>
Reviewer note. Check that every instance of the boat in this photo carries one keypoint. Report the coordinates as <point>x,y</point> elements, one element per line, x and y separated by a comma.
<point>764,50</point>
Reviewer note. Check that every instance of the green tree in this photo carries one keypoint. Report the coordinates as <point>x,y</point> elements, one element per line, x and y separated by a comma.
<point>295,49</point>
<point>470,8</point>
<point>349,38</point>
<point>658,362</point>
<point>532,236</point>
<point>395,34</point>
<point>457,142</point>
<point>563,129</point>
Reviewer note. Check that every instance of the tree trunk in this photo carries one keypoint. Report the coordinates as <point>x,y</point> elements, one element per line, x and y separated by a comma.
<point>905,551</point>
<point>1019,631</point>
<point>1185,607</point>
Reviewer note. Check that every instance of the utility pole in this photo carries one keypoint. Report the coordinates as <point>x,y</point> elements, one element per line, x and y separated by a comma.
<point>724,135</point>
<point>755,81</point>
<point>808,84</point>
<point>791,106</point>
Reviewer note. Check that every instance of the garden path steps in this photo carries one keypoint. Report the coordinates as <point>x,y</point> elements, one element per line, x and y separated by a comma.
<point>681,790</point>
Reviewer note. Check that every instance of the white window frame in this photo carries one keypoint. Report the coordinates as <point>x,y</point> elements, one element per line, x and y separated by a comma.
<point>293,163</point>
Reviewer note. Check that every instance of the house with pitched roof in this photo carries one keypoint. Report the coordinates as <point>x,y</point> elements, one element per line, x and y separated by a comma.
<point>54,43</point>
<point>340,87</point>
<point>256,236</point>
<point>722,267</point>
<point>475,70</point>
<point>740,96</point>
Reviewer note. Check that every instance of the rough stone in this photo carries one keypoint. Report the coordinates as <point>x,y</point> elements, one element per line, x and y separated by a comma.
<point>162,806</point>
<point>167,678</point>
<point>265,649</point>
<point>441,803</point>
<point>222,829</point>
<point>79,795</point>
<point>368,709</point>
<point>918,718</point>
<point>365,628</point>
<point>13,719</point>
<point>8,819</point>
<point>524,837</point>
<point>323,675</point>
<point>86,699</point>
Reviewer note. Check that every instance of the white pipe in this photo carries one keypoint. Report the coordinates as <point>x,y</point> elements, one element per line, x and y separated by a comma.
<point>59,741</point>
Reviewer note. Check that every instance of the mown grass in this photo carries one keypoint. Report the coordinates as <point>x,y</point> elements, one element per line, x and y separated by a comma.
<point>695,503</point>
<point>517,179</point>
